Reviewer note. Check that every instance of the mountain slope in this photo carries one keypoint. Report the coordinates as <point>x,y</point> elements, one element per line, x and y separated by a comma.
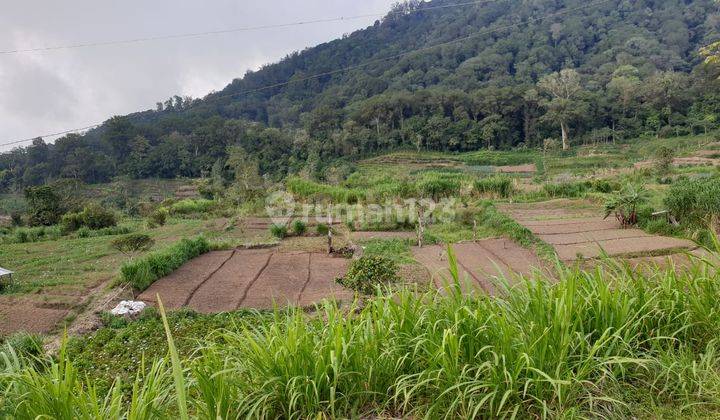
<point>637,61</point>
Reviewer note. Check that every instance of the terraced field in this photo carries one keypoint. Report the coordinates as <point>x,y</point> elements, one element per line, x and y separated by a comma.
<point>577,230</point>
<point>482,263</point>
<point>225,281</point>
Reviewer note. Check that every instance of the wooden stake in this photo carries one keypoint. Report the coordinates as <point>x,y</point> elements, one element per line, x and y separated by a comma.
<point>421,228</point>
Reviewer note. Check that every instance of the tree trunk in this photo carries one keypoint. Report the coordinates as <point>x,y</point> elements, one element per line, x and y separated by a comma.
<point>564,129</point>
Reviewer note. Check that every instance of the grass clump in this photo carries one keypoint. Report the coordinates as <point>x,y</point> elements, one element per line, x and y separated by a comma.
<point>306,189</point>
<point>191,206</point>
<point>397,250</point>
<point>299,227</point>
<point>278,231</point>
<point>158,217</point>
<point>369,272</point>
<point>92,217</point>
<point>322,229</point>
<point>695,202</point>
<point>495,186</point>
<point>133,243</point>
<point>590,345</point>
<point>141,273</point>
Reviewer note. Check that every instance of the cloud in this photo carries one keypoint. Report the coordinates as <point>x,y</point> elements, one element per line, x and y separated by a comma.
<point>45,92</point>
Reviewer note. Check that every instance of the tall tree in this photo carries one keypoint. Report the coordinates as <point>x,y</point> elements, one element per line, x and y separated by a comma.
<point>562,106</point>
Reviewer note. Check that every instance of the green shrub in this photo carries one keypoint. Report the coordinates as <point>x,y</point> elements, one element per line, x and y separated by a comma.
<point>695,202</point>
<point>567,189</point>
<point>20,235</point>
<point>495,186</point>
<point>92,217</point>
<point>44,205</point>
<point>299,227</point>
<point>438,186</point>
<point>278,231</point>
<point>133,243</point>
<point>367,272</point>
<point>191,206</point>
<point>312,190</point>
<point>96,217</point>
<point>322,229</point>
<point>26,344</point>
<point>141,273</point>
<point>158,217</point>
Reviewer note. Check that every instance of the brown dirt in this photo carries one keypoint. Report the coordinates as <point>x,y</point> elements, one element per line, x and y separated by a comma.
<point>567,227</point>
<point>29,318</point>
<point>518,169</point>
<point>483,264</point>
<point>259,279</point>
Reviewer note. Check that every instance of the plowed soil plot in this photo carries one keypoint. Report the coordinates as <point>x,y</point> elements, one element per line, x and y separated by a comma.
<point>576,231</point>
<point>367,236</point>
<point>483,265</point>
<point>225,281</point>
<point>29,318</point>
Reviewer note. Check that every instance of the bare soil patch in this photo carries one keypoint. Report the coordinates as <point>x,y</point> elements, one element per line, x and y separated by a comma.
<point>29,318</point>
<point>484,264</point>
<point>574,234</point>
<point>259,279</point>
<point>518,169</point>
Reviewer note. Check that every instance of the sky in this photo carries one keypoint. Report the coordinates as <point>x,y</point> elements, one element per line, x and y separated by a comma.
<point>51,91</point>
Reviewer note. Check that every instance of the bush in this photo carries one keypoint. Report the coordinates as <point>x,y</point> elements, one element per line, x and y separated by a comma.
<point>322,229</point>
<point>438,186</point>
<point>664,159</point>
<point>695,202</point>
<point>278,231</point>
<point>92,217</point>
<point>190,206</point>
<point>495,186</point>
<point>140,274</point>
<point>44,206</point>
<point>158,217</point>
<point>96,217</point>
<point>299,227</point>
<point>133,243</point>
<point>567,189</point>
<point>368,272</point>
<point>25,344</point>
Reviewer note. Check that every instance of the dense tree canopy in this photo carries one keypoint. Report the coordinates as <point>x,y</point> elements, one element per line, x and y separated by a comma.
<point>615,70</point>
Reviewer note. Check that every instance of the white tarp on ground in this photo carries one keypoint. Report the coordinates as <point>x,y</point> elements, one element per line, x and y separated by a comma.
<point>4,272</point>
<point>128,308</point>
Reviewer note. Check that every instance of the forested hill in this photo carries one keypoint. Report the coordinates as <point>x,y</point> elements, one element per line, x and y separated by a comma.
<point>458,78</point>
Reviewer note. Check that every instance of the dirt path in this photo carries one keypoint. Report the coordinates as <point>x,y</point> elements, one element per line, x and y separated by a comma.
<point>482,264</point>
<point>577,232</point>
<point>229,280</point>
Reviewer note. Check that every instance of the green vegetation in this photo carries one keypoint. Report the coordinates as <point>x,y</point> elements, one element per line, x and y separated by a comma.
<point>190,206</point>
<point>368,273</point>
<point>299,227</point>
<point>133,243</point>
<point>278,231</point>
<point>624,204</point>
<point>613,341</point>
<point>321,192</point>
<point>695,202</point>
<point>143,272</point>
<point>92,217</point>
<point>397,250</point>
<point>495,186</point>
<point>322,229</point>
<point>158,217</point>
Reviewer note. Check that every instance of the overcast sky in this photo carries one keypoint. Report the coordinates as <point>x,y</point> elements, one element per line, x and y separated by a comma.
<point>51,91</point>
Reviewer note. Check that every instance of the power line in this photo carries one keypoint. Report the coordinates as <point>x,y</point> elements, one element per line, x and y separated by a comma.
<point>227,31</point>
<point>357,66</point>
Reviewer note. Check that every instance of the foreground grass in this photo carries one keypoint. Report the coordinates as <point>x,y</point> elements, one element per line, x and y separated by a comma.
<point>612,342</point>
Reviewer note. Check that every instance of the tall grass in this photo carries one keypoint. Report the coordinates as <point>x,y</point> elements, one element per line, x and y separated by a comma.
<point>191,206</point>
<point>143,272</point>
<point>499,186</point>
<point>584,346</point>
<point>315,191</point>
